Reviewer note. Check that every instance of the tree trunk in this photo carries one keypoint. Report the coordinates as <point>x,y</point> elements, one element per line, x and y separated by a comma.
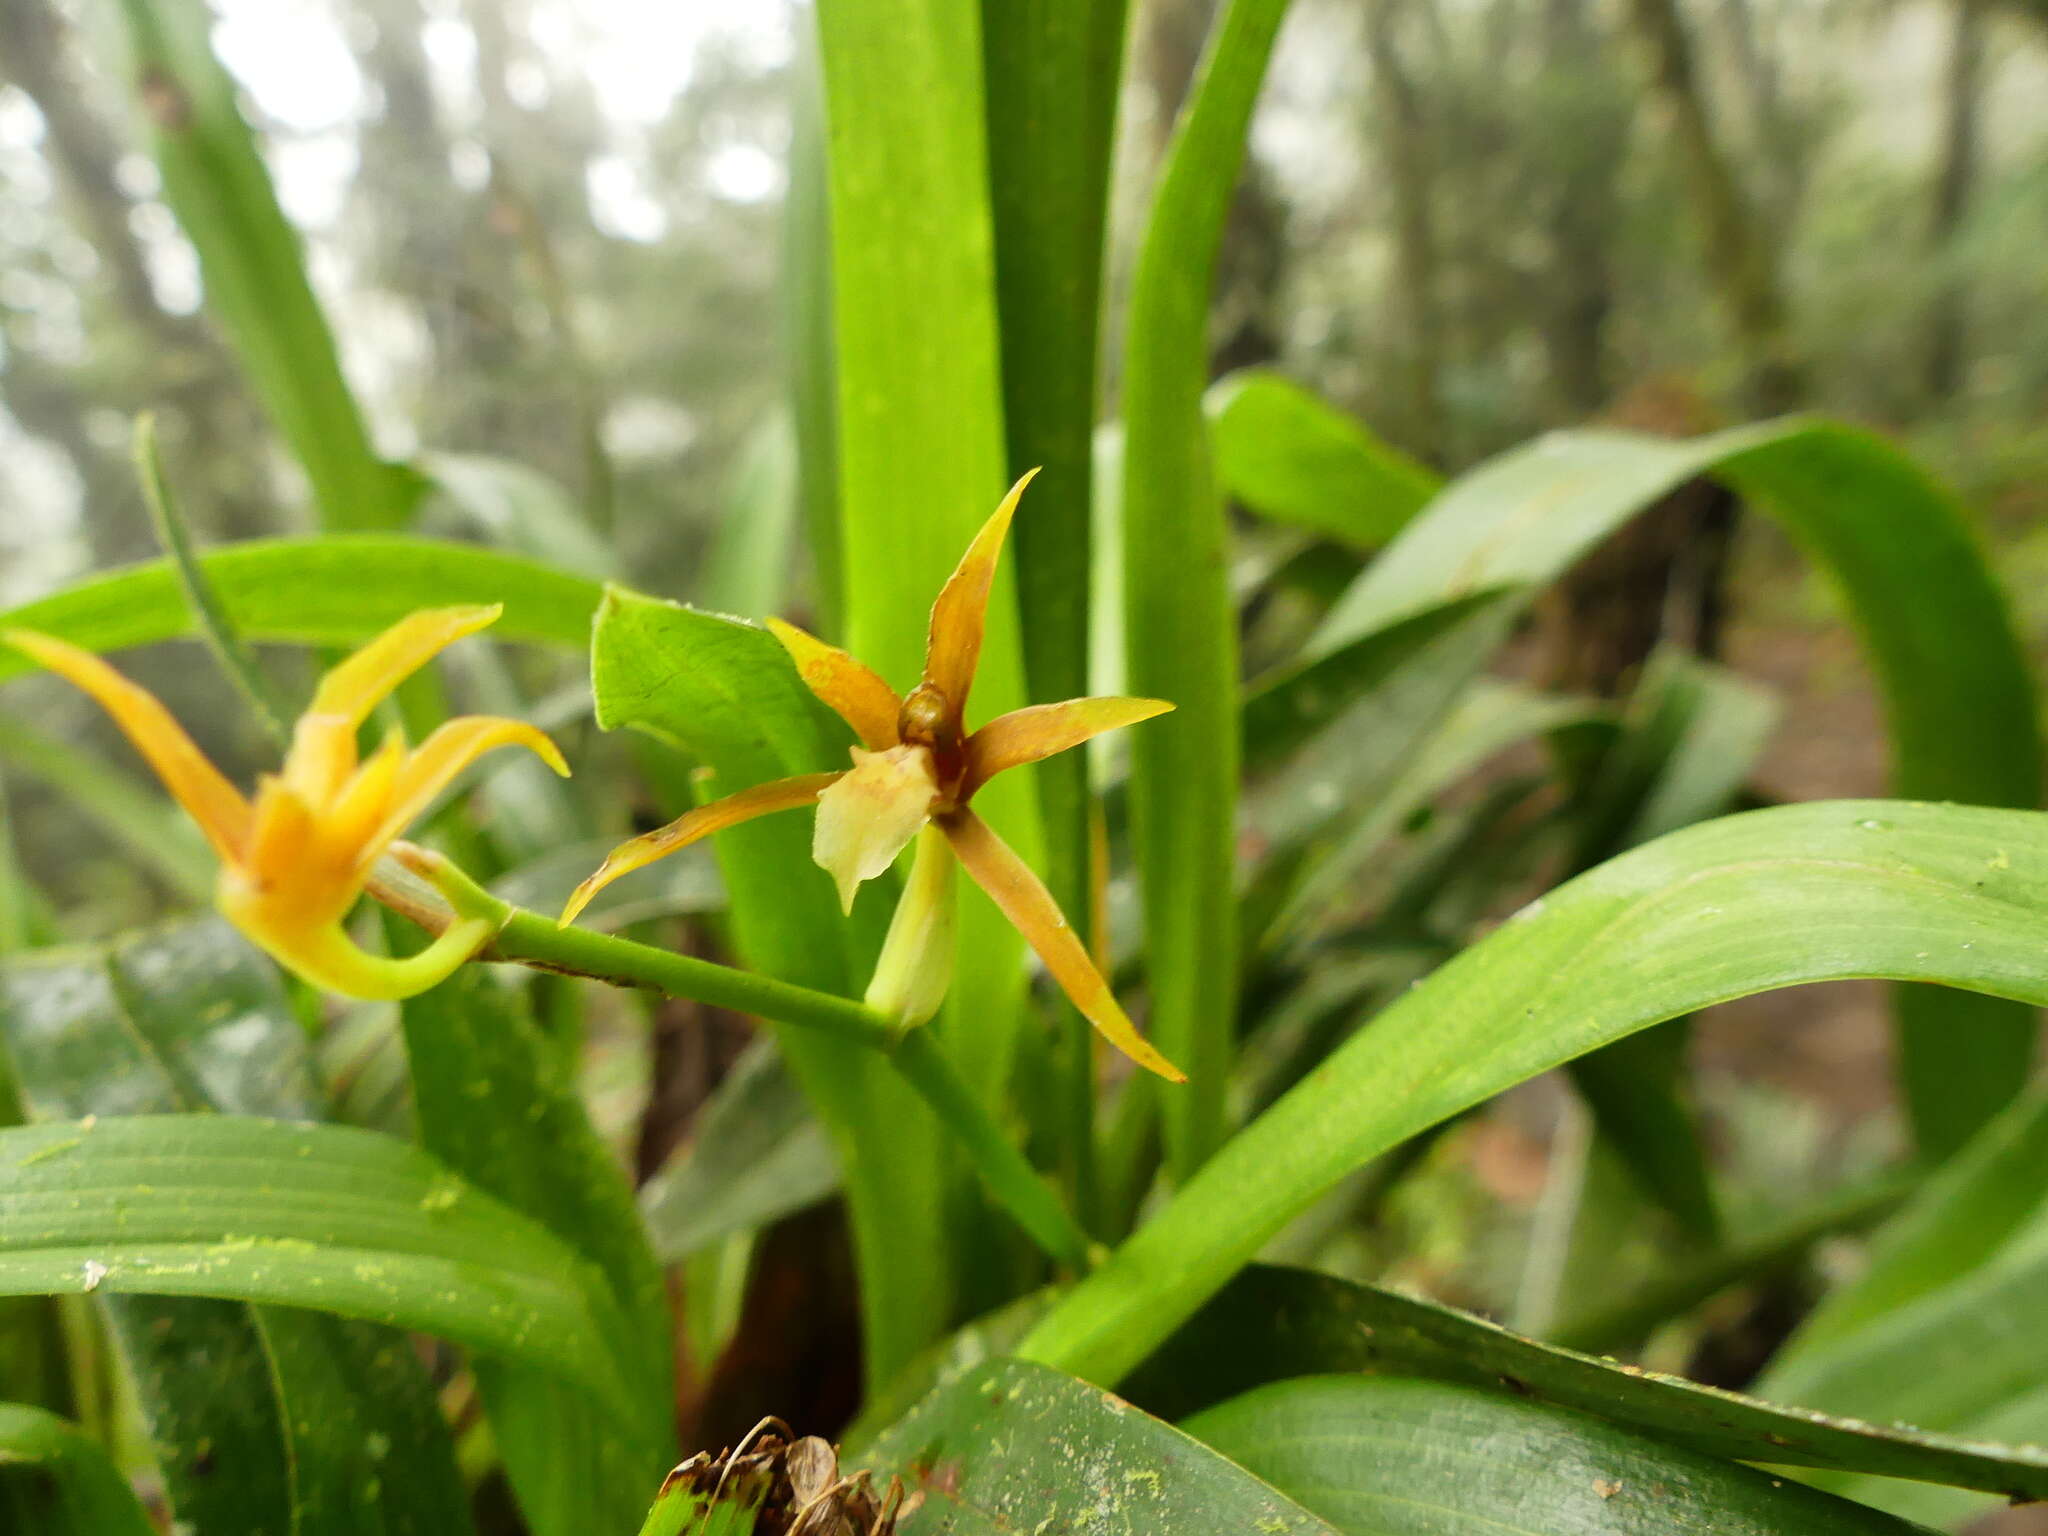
<point>212,432</point>
<point>1741,265</point>
<point>1411,167</point>
<point>1947,319</point>
<point>1591,131</point>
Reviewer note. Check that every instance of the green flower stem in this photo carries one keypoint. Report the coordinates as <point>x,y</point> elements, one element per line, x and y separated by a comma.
<point>532,939</point>
<point>528,938</point>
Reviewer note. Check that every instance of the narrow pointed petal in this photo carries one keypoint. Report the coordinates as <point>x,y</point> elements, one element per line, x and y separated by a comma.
<point>846,684</point>
<point>431,768</point>
<point>223,815</point>
<point>778,795</point>
<point>1024,900</point>
<point>360,683</point>
<point>1040,730</point>
<point>871,815</point>
<point>953,649</point>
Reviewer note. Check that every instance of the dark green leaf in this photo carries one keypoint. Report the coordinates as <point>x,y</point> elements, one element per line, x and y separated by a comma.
<point>1051,69</point>
<point>56,1482</point>
<point>327,1425</point>
<point>305,1215</point>
<point>1272,1324</point>
<point>1979,1203</point>
<point>1942,1328</point>
<point>1388,1457</point>
<point>1015,1447</point>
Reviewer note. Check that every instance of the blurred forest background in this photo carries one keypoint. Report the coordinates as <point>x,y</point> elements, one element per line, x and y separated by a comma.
<point>551,234</point>
<point>549,230</point>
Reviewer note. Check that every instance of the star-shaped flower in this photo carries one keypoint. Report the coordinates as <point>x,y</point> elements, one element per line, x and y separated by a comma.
<point>918,764</point>
<point>295,858</point>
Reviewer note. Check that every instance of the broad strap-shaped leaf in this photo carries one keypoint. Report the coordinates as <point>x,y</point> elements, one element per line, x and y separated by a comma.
<point>1273,1324</point>
<point>317,1216</point>
<point>1016,1447</point>
<point>1978,1204</point>
<point>1379,1456</point>
<point>1289,455</point>
<point>919,362</point>
<point>326,591</point>
<point>331,1424</point>
<point>1958,689</point>
<point>1180,624</point>
<point>1890,889</point>
<point>54,1481</point>
<point>1942,1327</point>
<point>1052,72</point>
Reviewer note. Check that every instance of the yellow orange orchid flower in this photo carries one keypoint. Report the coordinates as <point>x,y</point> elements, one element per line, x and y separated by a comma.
<point>295,858</point>
<point>918,765</point>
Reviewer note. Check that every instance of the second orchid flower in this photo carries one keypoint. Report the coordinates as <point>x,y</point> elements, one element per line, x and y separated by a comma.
<point>918,765</point>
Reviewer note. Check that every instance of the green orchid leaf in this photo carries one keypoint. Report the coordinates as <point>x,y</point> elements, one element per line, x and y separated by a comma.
<point>1288,455</point>
<point>55,1481</point>
<point>1180,626</point>
<point>1897,890</point>
<point>319,1216</point>
<point>1379,1456</point>
<point>1273,1325</point>
<point>328,591</point>
<point>1940,1328</point>
<point>1010,1446</point>
<point>330,1424</point>
<point>1958,689</point>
